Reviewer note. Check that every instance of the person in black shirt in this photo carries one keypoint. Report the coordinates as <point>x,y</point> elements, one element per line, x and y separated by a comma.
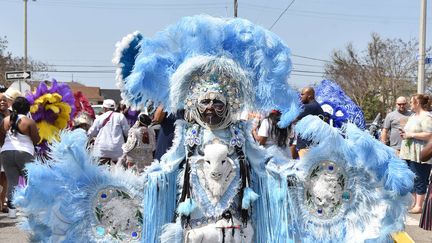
<point>311,107</point>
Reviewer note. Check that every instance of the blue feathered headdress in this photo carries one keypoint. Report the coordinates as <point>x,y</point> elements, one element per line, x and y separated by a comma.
<point>146,66</point>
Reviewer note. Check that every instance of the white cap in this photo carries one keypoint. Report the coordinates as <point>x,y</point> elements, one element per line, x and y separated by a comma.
<point>12,93</point>
<point>109,103</point>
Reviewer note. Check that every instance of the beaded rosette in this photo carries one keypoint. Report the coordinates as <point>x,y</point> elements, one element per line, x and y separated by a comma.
<point>118,216</point>
<point>326,190</point>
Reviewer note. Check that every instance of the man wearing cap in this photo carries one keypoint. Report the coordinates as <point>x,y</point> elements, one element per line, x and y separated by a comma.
<point>111,130</point>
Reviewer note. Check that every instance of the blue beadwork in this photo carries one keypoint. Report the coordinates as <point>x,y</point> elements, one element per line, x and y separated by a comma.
<point>330,167</point>
<point>103,195</point>
<point>320,210</point>
<point>134,234</point>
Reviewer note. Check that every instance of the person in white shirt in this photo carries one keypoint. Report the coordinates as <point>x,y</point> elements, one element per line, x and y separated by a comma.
<point>18,136</point>
<point>111,130</point>
<point>269,134</point>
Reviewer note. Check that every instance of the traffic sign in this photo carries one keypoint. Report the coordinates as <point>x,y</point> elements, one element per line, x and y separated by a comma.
<point>18,75</point>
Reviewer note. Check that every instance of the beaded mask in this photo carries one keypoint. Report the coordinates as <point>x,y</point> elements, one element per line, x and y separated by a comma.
<point>215,83</point>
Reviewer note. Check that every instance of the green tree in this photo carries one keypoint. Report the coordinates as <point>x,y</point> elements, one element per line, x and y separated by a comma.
<point>375,77</point>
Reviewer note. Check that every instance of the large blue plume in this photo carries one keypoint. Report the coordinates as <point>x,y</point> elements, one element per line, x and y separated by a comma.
<point>60,194</point>
<point>343,108</point>
<point>260,53</point>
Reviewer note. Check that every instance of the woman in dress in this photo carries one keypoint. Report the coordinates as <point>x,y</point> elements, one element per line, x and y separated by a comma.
<point>415,135</point>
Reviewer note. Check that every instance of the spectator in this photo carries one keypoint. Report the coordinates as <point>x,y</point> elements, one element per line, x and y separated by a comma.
<point>18,135</point>
<point>110,129</point>
<point>311,107</point>
<point>166,132</point>
<point>426,217</point>
<point>269,134</point>
<point>415,134</point>
<point>4,112</point>
<point>11,94</point>
<point>393,121</point>
<point>140,144</point>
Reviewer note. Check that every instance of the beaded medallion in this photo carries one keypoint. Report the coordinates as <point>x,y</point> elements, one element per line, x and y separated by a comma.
<point>118,216</point>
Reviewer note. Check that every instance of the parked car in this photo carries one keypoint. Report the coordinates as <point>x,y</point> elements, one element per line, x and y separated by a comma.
<point>98,109</point>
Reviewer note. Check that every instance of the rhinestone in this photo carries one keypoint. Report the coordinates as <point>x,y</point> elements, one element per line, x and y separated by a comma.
<point>134,234</point>
<point>330,167</point>
<point>346,196</point>
<point>320,211</point>
<point>100,230</point>
<point>103,195</point>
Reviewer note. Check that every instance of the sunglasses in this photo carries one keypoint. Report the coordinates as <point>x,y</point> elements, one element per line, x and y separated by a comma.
<point>401,104</point>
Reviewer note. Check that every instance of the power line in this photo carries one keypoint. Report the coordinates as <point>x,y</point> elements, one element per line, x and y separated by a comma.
<point>280,16</point>
<point>73,65</point>
<point>310,58</point>
<point>73,71</point>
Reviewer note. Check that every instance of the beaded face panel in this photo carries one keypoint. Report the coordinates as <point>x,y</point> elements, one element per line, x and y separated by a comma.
<point>118,215</point>
<point>326,189</point>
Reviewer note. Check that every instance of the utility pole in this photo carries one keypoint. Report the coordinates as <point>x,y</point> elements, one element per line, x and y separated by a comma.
<point>25,42</point>
<point>235,8</point>
<point>422,47</point>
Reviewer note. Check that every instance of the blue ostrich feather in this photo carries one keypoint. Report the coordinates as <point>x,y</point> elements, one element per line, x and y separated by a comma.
<point>378,182</point>
<point>331,92</point>
<point>186,207</point>
<point>60,194</point>
<point>259,53</point>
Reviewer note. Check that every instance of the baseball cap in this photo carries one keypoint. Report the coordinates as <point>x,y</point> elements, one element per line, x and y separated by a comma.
<point>109,103</point>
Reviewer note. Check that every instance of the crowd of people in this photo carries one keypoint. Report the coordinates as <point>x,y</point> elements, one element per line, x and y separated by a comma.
<point>409,133</point>
<point>134,139</point>
<point>221,180</point>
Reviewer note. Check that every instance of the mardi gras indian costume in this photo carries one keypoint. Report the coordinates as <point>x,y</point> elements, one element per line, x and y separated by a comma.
<point>215,184</point>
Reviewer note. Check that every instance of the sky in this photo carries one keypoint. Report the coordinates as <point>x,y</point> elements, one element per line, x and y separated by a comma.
<point>77,37</point>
